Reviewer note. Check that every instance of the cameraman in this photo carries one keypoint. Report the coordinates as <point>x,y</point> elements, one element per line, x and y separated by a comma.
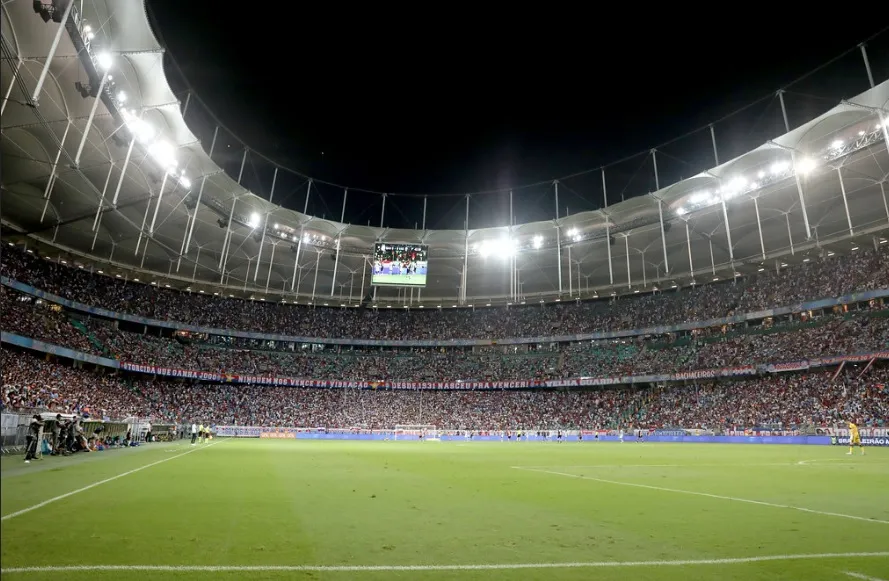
<point>32,440</point>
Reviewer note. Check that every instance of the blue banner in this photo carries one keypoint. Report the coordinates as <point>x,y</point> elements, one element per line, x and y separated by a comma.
<point>879,441</point>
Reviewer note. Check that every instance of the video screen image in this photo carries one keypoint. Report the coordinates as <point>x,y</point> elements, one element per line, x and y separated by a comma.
<point>400,264</point>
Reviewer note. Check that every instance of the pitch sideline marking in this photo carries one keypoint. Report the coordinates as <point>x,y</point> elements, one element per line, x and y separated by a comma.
<point>371,568</point>
<point>723,465</point>
<point>100,482</point>
<point>709,495</point>
<point>862,577</point>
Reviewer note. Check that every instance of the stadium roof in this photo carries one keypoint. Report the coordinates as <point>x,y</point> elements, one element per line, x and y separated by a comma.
<point>848,140</point>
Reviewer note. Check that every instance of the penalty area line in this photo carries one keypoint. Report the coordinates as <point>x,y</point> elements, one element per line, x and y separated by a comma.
<point>484,567</point>
<point>707,495</point>
<point>11,515</point>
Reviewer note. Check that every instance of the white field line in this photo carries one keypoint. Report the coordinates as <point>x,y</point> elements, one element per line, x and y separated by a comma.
<point>708,495</point>
<point>723,465</point>
<point>485,567</point>
<point>862,577</point>
<point>99,483</point>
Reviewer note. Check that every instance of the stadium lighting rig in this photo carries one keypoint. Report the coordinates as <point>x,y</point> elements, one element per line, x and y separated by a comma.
<point>161,151</point>
<point>779,171</point>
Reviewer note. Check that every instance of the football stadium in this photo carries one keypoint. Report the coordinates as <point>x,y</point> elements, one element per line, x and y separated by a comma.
<point>686,381</point>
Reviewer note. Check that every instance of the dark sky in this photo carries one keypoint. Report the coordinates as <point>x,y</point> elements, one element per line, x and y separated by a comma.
<point>450,100</point>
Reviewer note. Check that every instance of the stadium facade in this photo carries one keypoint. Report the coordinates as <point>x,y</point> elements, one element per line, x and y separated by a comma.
<point>121,184</point>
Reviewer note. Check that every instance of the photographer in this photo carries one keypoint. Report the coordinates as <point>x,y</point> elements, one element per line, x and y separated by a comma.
<point>56,435</point>
<point>34,427</point>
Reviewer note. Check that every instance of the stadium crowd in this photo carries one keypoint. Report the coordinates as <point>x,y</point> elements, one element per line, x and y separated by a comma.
<point>781,400</point>
<point>821,278</point>
<point>830,334</point>
<point>788,399</point>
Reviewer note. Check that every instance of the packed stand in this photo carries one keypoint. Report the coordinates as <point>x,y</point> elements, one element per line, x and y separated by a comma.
<point>782,400</point>
<point>828,277</point>
<point>862,332</point>
<point>37,319</point>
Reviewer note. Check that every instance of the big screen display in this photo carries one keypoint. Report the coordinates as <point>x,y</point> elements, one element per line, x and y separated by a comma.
<point>400,264</point>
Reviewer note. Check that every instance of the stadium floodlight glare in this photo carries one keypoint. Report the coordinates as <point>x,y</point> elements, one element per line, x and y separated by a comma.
<point>733,188</point>
<point>163,154</point>
<point>122,97</point>
<point>837,144</point>
<point>185,182</point>
<point>141,129</point>
<point>254,220</point>
<point>104,60</point>
<point>504,248</point>
<point>537,241</point>
<point>805,165</point>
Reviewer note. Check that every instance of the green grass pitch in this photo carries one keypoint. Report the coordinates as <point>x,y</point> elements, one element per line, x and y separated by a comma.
<point>335,510</point>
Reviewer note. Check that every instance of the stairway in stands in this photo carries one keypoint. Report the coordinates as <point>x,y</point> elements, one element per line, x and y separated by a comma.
<point>77,324</point>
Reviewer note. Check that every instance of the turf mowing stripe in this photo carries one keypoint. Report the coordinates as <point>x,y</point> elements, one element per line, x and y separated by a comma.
<point>863,577</point>
<point>484,567</point>
<point>100,482</point>
<point>707,495</point>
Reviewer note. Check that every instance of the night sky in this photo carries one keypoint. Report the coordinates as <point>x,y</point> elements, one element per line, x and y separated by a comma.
<point>448,102</point>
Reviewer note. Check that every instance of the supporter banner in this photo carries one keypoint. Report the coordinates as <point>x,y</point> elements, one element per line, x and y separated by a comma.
<point>660,330</point>
<point>239,431</point>
<point>866,441</point>
<point>746,370</point>
<point>279,434</point>
<point>29,343</point>
<point>824,362</point>
<point>679,433</point>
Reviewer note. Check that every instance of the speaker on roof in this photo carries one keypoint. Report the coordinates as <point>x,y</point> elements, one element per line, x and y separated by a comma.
<point>58,10</point>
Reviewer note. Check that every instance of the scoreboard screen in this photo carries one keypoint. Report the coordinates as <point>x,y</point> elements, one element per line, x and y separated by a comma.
<point>399,264</point>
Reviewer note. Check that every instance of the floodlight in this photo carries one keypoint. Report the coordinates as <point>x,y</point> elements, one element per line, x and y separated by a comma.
<point>254,220</point>
<point>700,197</point>
<point>163,153</point>
<point>837,144</point>
<point>122,97</point>
<point>537,241</point>
<point>805,165</point>
<point>779,167</point>
<point>141,129</point>
<point>680,211</point>
<point>185,182</point>
<point>104,60</point>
